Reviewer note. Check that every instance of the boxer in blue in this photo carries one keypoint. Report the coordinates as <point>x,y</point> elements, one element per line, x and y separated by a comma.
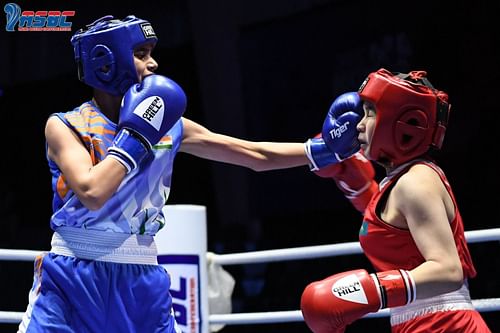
<point>111,162</point>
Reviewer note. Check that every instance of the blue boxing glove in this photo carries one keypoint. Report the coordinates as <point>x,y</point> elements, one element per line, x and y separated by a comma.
<point>149,110</point>
<point>339,128</point>
<point>339,137</point>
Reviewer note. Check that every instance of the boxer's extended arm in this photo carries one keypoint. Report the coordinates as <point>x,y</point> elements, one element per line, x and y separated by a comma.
<point>92,184</point>
<point>259,156</point>
<point>342,117</point>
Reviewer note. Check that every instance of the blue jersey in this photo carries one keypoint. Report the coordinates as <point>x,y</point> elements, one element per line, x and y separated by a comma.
<point>136,206</point>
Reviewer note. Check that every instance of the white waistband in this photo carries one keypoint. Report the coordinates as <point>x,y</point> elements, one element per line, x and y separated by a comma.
<point>104,246</point>
<point>455,300</point>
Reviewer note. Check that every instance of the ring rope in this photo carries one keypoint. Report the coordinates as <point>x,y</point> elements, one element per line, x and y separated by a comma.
<point>481,305</point>
<point>296,253</point>
<point>11,317</point>
<point>19,255</point>
<point>310,252</point>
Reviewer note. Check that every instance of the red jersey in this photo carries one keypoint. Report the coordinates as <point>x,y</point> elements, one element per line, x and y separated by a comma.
<point>388,247</point>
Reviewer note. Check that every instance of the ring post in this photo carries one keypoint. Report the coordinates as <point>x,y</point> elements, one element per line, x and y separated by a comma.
<point>182,250</point>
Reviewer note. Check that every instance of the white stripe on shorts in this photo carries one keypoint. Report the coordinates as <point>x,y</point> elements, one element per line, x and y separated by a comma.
<point>455,300</point>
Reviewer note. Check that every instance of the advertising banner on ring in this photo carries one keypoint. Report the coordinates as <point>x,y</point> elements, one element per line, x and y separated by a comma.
<point>182,248</point>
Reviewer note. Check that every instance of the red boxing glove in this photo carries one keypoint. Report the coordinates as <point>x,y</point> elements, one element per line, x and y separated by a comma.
<point>329,305</point>
<point>353,176</point>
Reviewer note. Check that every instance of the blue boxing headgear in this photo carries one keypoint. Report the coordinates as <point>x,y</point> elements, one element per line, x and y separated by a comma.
<point>104,52</point>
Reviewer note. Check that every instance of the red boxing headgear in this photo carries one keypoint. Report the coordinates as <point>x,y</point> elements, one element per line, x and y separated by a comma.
<point>411,115</point>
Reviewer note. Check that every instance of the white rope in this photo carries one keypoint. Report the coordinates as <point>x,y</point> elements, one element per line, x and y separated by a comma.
<point>272,317</point>
<point>11,317</point>
<point>19,255</point>
<point>481,305</point>
<point>484,235</point>
<point>310,252</point>
<point>256,317</point>
<point>297,253</point>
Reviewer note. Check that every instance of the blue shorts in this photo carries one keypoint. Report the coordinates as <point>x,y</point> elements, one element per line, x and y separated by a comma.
<point>79,296</point>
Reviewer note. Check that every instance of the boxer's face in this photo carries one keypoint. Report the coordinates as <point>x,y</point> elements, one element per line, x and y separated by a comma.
<point>144,62</point>
<point>366,126</point>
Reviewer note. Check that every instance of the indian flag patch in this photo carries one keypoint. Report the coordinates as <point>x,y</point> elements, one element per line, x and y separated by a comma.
<point>165,143</point>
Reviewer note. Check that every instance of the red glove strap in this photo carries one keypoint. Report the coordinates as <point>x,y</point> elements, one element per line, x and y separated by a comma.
<point>396,287</point>
<point>354,176</point>
<point>361,199</point>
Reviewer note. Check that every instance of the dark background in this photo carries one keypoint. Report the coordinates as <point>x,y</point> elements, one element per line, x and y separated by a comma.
<point>264,70</point>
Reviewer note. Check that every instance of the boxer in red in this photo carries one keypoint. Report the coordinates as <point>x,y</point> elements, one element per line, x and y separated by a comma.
<point>412,231</point>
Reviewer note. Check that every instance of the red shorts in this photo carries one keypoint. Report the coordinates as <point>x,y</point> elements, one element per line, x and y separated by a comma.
<point>460,321</point>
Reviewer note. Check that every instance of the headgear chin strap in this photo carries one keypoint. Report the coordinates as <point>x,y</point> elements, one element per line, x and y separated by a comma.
<point>411,115</point>
<point>104,52</point>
